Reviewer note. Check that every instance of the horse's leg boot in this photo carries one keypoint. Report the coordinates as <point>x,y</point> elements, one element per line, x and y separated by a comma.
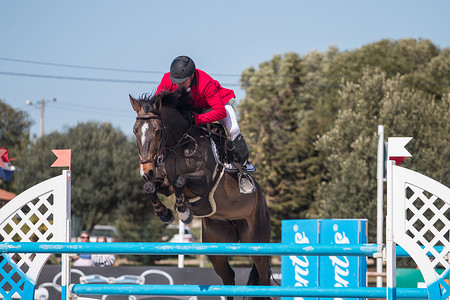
<point>165,214</point>
<point>184,213</point>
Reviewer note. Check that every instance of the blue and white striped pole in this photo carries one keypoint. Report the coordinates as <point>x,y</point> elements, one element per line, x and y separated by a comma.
<point>191,248</point>
<point>244,291</point>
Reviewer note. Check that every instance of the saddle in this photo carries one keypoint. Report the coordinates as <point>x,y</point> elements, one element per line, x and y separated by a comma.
<point>224,157</point>
<point>220,148</point>
<point>206,206</point>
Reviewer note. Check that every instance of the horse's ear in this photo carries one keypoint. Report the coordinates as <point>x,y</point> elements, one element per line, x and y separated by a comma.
<point>158,103</point>
<point>135,104</point>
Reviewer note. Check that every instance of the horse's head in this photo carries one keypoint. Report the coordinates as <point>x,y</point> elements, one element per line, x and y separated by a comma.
<point>158,123</point>
<point>149,131</point>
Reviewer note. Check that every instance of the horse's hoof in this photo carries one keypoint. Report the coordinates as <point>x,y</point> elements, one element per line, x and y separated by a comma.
<point>167,218</point>
<point>186,217</point>
<point>148,187</point>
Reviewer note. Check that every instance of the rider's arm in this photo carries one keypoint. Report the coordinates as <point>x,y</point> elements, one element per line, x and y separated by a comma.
<point>211,93</point>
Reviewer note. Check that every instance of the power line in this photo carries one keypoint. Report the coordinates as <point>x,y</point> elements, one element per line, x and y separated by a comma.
<point>78,66</point>
<point>94,68</point>
<point>137,71</point>
<point>90,78</point>
<point>60,77</point>
<point>87,109</point>
<point>78,78</point>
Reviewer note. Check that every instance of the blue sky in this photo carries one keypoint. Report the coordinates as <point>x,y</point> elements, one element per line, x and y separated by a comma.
<point>92,54</point>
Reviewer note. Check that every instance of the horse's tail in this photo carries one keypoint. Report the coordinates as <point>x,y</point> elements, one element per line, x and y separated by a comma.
<point>272,277</point>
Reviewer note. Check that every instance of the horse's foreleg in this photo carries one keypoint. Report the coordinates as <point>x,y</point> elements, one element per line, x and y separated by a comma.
<point>184,213</point>
<point>193,179</point>
<point>150,188</point>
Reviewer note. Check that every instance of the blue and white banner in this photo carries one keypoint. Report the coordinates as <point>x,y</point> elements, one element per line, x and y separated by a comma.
<point>342,271</point>
<point>300,270</point>
<point>323,271</point>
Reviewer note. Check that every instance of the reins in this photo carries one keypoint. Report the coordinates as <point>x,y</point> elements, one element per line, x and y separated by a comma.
<point>161,158</point>
<point>209,131</point>
<point>179,144</point>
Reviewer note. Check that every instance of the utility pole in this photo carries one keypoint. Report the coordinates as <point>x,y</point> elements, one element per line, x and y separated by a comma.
<point>28,102</point>
<point>42,116</point>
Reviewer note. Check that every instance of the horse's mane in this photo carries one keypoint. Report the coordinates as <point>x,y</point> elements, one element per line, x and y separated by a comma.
<point>179,99</point>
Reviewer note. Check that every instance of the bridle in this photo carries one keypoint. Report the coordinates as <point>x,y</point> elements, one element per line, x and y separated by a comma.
<point>158,157</point>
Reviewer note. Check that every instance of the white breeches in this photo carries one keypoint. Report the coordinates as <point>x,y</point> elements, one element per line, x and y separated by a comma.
<point>230,122</point>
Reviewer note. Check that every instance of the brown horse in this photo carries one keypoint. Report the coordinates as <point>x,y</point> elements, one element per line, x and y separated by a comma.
<point>176,158</point>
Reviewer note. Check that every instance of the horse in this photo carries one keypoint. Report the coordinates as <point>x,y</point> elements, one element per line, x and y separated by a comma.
<point>177,158</point>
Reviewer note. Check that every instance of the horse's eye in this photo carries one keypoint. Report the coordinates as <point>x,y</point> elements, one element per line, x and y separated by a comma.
<point>157,132</point>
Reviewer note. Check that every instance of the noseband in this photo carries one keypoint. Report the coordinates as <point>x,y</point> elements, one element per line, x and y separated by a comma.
<point>158,158</point>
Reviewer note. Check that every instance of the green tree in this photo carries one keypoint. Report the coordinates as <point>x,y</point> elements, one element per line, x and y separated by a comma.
<point>291,101</point>
<point>277,123</point>
<point>434,78</point>
<point>14,127</point>
<point>392,57</point>
<point>350,146</point>
<point>105,173</point>
<point>106,185</point>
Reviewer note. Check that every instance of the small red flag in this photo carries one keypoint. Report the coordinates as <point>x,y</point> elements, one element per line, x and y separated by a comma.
<point>398,159</point>
<point>63,158</point>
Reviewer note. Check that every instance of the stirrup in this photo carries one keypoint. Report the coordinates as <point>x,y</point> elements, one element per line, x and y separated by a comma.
<point>249,167</point>
<point>246,183</point>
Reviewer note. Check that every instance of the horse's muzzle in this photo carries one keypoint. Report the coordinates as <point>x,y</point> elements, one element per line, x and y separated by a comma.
<point>149,175</point>
<point>147,170</point>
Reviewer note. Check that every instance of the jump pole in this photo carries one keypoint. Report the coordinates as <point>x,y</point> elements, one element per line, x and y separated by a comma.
<point>261,249</point>
<point>242,290</point>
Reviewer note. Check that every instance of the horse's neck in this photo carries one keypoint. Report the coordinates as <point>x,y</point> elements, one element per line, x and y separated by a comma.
<point>175,125</point>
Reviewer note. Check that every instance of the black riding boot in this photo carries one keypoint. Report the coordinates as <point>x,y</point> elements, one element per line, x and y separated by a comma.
<point>240,150</point>
<point>241,154</point>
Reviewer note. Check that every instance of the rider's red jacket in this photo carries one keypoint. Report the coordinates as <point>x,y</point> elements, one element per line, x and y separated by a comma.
<point>206,93</point>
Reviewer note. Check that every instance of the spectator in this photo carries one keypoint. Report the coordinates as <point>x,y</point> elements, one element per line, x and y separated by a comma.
<point>103,260</point>
<point>83,260</point>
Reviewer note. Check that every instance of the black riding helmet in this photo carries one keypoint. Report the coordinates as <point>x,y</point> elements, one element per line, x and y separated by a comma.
<point>181,68</point>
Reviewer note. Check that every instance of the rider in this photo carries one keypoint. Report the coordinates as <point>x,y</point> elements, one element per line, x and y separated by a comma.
<point>207,93</point>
